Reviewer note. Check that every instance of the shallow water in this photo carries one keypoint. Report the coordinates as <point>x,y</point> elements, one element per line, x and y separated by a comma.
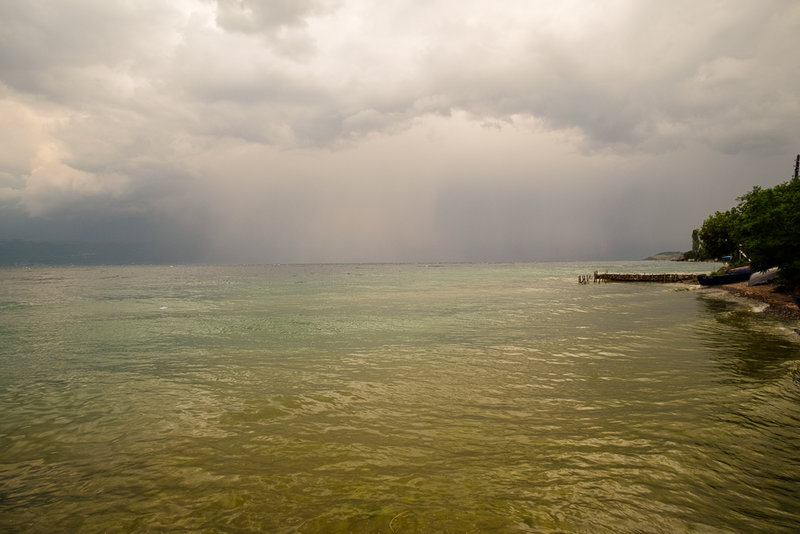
<point>391,398</point>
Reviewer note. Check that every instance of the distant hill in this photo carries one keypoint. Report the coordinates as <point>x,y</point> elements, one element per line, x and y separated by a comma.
<point>666,256</point>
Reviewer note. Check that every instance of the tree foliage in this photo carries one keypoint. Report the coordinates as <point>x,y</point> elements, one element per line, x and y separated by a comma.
<point>768,228</point>
<point>717,237</point>
<point>764,227</point>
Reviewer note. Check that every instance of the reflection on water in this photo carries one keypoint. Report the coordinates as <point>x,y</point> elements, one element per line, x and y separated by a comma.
<point>390,398</point>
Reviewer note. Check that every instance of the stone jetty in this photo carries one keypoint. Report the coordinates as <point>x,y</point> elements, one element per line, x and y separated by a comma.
<point>663,278</point>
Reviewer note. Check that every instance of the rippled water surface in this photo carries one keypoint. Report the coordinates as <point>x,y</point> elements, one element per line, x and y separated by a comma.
<point>391,398</point>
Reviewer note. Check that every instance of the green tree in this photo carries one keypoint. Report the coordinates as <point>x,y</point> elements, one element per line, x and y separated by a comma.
<point>695,242</point>
<point>694,254</point>
<point>768,228</point>
<point>717,235</point>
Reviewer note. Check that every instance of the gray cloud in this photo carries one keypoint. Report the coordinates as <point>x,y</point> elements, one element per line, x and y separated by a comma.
<point>322,131</point>
<point>664,74</point>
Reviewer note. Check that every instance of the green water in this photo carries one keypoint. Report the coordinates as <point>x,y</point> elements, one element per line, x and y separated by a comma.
<point>391,398</point>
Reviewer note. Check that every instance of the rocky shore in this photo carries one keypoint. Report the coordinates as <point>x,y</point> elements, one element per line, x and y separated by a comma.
<point>780,304</point>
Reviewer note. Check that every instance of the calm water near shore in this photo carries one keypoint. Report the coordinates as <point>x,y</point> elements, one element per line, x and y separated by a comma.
<point>392,398</point>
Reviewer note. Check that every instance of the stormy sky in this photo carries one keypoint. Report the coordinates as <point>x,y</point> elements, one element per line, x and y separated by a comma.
<point>235,131</point>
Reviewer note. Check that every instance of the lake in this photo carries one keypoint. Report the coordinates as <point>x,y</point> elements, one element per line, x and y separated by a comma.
<point>392,398</point>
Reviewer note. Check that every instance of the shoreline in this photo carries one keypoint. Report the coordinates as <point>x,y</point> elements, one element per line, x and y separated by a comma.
<point>778,304</point>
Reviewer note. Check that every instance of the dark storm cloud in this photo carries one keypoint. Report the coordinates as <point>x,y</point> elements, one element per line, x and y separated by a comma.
<point>313,131</point>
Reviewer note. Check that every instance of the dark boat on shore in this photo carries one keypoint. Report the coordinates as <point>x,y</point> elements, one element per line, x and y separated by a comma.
<point>739,274</point>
